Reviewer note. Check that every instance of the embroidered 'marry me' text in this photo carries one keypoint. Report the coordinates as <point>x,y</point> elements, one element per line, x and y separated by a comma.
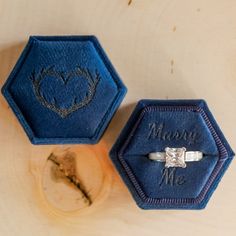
<point>157,131</point>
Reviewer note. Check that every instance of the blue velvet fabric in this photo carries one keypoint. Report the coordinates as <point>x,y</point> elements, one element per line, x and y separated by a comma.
<point>156,124</point>
<point>64,89</point>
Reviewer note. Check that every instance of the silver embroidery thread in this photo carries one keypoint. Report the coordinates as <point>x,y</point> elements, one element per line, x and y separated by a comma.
<point>92,80</point>
<point>157,131</point>
<point>169,177</point>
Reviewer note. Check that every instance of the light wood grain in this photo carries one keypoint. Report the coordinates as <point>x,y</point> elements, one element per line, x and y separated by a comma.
<point>161,49</point>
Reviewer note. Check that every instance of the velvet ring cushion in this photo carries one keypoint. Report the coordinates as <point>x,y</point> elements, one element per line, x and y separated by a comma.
<point>180,131</point>
<point>64,89</point>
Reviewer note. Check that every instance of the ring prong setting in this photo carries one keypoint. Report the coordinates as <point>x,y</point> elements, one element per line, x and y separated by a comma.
<point>175,157</point>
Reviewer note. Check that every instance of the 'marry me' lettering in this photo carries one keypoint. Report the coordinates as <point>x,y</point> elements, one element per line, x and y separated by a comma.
<point>157,131</point>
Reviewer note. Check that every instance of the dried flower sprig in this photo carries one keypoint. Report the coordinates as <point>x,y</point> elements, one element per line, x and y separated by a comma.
<point>68,170</point>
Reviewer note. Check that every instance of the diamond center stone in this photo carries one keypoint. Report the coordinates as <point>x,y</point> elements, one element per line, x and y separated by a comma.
<point>175,157</point>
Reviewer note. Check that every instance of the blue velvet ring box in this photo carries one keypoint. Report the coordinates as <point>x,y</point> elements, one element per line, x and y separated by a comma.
<point>157,124</point>
<point>64,90</point>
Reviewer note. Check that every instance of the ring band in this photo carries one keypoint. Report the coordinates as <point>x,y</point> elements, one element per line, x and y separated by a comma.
<point>176,157</point>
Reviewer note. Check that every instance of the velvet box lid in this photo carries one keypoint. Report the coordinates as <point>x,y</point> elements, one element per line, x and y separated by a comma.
<point>64,89</point>
<point>157,124</point>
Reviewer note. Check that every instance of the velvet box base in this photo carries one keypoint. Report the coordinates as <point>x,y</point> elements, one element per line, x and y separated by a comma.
<point>157,124</point>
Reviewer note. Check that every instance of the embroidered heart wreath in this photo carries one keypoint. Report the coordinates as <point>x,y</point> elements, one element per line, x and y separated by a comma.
<point>92,81</point>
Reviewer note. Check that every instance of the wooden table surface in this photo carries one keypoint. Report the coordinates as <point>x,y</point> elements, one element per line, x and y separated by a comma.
<point>163,49</point>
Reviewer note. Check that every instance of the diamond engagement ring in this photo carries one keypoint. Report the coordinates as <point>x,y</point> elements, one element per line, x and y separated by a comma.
<point>175,157</point>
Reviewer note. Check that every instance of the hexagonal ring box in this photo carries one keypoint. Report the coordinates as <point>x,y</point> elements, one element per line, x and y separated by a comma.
<point>64,89</point>
<point>171,154</point>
